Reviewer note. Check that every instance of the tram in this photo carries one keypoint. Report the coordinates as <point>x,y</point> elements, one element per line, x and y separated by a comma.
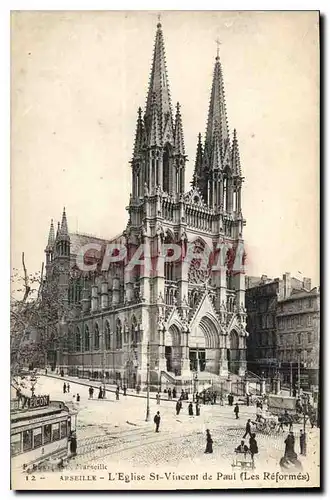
<point>40,432</point>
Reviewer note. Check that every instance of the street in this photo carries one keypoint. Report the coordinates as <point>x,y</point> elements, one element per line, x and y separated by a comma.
<point>110,431</point>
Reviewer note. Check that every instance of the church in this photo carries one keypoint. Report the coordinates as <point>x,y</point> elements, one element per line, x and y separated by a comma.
<point>183,320</point>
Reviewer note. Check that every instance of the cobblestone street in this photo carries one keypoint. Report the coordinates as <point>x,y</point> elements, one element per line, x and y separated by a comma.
<point>113,432</point>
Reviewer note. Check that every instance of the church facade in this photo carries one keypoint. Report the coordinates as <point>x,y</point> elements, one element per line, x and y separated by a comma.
<point>178,316</point>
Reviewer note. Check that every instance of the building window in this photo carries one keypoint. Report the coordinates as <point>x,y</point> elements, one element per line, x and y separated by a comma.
<point>64,430</point>
<point>37,437</point>
<point>86,339</point>
<point>309,338</point>
<point>27,440</point>
<point>299,338</point>
<point>107,336</point>
<point>55,432</point>
<point>119,336</point>
<point>47,433</point>
<point>15,444</point>
<point>78,340</point>
<point>309,320</point>
<point>96,337</point>
<point>292,322</point>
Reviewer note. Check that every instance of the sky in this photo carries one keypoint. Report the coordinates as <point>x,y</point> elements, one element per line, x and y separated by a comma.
<point>78,78</point>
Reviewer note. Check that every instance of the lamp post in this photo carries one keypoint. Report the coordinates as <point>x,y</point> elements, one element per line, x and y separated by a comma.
<point>291,378</point>
<point>299,355</point>
<point>148,384</point>
<point>305,398</point>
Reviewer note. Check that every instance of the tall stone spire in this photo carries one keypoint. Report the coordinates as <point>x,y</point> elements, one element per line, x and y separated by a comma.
<point>159,91</point>
<point>235,159</point>
<point>198,162</point>
<point>217,116</point>
<point>51,236</point>
<point>178,133</point>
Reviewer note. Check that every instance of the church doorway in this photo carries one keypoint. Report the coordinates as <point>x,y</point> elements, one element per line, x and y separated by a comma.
<point>173,350</point>
<point>205,354</point>
<point>168,357</point>
<point>197,359</point>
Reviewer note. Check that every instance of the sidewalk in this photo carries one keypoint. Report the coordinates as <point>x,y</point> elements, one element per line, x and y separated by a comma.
<point>109,387</point>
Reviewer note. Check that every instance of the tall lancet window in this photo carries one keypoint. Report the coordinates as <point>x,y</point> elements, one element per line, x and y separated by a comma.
<point>166,169</point>
<point>235,200</point>
<point>225,188</point>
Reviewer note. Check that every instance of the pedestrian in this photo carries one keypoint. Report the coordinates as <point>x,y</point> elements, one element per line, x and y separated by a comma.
<point>302,439</point>
<point>236,410</point>
<point>117,393</point>
<point>124,390</point>
<point>253,446</point>
<point>138,389</point>
<point>198,411</point>
<point>73,444</point>
<point>289,446</point>
<point>78,397</point>
<point>209,442</point>
<point>174,393</point>
<point>204,397</point>
<point>64,388</point>
<point>91,392</point>
<point>157,421</point>
<point>197,397</point>
<point>103,392</point>
<point>242,448</point>
<point>169,393</point>
<point>45,371</point>
<point>190,410</point>
<point>100,396</point>
<point>68,387</point>
<point>178,406</point>
<point>214,398</point>
<point>186,396</point>
<point>182,395</point>
<point>247,428</point>
<point>247,400</point>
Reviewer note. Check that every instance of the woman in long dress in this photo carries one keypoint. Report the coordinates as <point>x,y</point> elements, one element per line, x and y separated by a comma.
<point>209,442</point>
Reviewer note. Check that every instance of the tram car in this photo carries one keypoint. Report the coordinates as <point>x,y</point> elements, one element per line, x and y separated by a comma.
<point>40,432</point>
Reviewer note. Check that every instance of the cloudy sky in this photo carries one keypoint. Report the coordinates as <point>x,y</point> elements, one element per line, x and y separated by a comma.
<point>79,77</point>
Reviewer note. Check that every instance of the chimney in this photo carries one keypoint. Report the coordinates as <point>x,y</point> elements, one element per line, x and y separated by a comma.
<point>307,284</point>
<point>264,278</point>
<point>286,285</point>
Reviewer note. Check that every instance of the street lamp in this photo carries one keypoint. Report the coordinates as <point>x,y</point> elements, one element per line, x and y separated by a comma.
<point>305,399</point>
<point>148,384</point>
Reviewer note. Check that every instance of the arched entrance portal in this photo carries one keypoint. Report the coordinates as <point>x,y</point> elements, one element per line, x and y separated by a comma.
<point>233,356</point>
<point>173,350</point>
<point>204,347</point>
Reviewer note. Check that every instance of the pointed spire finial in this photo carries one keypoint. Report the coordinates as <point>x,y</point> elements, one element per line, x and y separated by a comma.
<point>178,132</point>
<point>198,171</point>
<point>51,236</point>
<point>139,135</point>
<point>159,25</point>
<point>64,226</point>
<point>58,231</point>
<point>236,162</point>
<point>218,42</point>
